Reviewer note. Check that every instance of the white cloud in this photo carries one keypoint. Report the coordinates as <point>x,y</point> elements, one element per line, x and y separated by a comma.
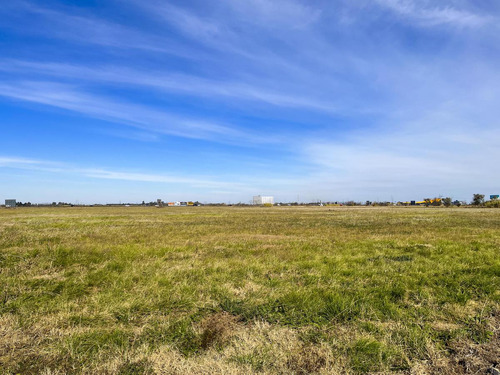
<point>239,187</point>
<point>276,13</point>
<point>100,173</point>
<point>15,161</point>
<point>426,157</point>
<point>169,82</point>
<point>144,118</point>
<point>435,13</point>
<point>75,26</point>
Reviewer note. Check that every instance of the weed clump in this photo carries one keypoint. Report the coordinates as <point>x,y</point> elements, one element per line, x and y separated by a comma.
<point>308,359</point>
<point>141,367</point>
<point>216,330</point>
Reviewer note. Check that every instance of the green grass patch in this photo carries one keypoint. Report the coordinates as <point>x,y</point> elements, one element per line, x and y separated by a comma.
<point>132,290</point>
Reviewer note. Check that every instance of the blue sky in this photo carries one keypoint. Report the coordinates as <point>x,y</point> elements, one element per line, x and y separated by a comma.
<point>130,100</point>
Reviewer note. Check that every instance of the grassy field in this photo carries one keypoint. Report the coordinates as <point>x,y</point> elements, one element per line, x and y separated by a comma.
<point>283,290</point>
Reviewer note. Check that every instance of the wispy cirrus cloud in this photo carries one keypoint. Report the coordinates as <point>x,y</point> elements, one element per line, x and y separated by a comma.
<point>434,154</point>
<point>237,183</point>
<point>101,173</point>
<point>275,14</point>
<point>242,30</point>
<point>432,13</point>
<point>76,26</point>
<point>145,118</point>
<point>16,161</point>
<point>168,82</point>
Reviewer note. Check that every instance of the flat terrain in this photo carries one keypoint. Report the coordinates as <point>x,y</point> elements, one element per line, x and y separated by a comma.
<point>283,290</point>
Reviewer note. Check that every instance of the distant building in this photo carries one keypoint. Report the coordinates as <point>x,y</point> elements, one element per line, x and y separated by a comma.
<point>260,200</point>
<point>10,203</point>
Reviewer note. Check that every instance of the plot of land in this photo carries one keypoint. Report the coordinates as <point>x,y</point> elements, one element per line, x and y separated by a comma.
<point>284,290</point>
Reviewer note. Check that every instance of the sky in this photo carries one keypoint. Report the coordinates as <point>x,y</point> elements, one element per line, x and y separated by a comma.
<point>216,101</point>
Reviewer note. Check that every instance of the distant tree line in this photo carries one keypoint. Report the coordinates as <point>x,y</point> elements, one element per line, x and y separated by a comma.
<point>478,200</point>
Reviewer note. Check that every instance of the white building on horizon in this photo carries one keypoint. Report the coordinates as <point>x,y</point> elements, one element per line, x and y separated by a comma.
<point>10,203</point>
<point>260,200</point>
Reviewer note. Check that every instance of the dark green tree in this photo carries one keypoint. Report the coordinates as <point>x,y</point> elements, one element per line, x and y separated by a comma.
<point>478,199</point>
